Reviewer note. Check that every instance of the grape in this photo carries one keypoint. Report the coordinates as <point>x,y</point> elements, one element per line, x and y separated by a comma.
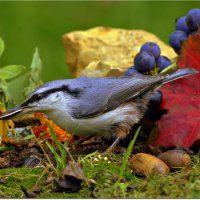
<point>151,47</point>
<point>156,99</point>
<point>162,62</point>
<point>193,19</point>
<point>176,39</point>
<point>182,25</point>
<point>131,71</point>
<point>144,62</point>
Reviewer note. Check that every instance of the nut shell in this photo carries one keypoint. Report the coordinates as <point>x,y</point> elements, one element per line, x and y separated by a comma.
<point>146,165</point>
<point>175,158</point>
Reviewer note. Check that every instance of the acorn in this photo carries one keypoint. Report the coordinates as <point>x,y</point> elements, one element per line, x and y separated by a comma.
<point>145,165</point>
<point>176,158</point>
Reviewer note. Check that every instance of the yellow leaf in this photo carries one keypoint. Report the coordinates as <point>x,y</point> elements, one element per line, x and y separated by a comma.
<point>5,125</point>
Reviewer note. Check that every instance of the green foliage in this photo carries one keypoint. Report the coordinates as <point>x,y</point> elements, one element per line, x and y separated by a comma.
<point>180,184</point>
<point>27,82</point>
<point>11,71</point>
<point>14,178</point>
<point>6,148</point>
<point>2,46</point>
<point>128,153</point>
<point>7,73</point>
<point>118,184</point>
<point>61,157</point>
<point>4,94</point>
<point>35,73</point>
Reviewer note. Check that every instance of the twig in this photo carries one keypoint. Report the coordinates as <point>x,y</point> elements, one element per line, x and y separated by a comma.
<point>47,157</point>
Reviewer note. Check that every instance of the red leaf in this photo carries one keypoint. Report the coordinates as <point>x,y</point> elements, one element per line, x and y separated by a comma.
<point>181,125</point>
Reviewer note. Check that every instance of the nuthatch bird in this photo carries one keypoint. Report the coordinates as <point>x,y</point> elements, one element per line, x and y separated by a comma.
<point>102,106</point>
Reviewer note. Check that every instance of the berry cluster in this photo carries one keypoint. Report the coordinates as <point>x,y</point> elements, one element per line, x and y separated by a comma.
<point>148,59</point>
<point>184,27</point>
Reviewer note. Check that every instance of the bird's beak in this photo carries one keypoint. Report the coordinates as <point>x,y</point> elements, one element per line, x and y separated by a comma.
<point>16,111</point>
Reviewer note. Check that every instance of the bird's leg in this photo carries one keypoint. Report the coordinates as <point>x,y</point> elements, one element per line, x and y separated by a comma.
<point>110,149</point>
<point>121,131</point>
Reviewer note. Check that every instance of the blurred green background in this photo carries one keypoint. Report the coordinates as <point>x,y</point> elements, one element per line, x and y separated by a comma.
<point>25,25</point>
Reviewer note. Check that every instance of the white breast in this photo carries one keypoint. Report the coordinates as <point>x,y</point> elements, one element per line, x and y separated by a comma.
<point>101,124</point>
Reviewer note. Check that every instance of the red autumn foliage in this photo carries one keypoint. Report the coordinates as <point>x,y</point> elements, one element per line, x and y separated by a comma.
<point>181,125</point>
<point>43,130</point>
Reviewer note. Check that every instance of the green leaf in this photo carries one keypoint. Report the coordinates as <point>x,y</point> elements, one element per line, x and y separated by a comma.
<point>2,46</point>
<point>15,86</point>
<point>4,93</point>
<point>52,148</point>
<point>57,159</point>
<point>62,159</point>
<point>6,148</point>
<point>127,154</point>
<point>54,137</point>
<point>35,73</point>
<point>36,66</point>
<point>11,71</point>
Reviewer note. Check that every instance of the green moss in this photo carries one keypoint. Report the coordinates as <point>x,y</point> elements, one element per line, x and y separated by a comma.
<point>16,177</point>
<point>184,183</point>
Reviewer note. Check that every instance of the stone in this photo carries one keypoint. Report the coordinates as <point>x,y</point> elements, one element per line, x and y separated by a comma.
<point>106,51</point>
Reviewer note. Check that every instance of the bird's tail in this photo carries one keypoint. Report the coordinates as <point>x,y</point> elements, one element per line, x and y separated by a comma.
<point>178,73</point>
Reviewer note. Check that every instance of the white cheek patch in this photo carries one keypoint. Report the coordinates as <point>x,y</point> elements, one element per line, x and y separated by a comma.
<point>56,100</point>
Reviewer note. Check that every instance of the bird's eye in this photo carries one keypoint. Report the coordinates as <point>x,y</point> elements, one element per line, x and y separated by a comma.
<point>38,97</point>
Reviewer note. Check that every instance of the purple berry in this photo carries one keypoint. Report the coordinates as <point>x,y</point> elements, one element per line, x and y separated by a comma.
<point>162,62</point>
<point>156,99</point>
<point>182,25</point>
<point>176,39</point>
<point>144,62</point>
<point>151,47</point>
<point>131,71</point>
<point>193,19</point>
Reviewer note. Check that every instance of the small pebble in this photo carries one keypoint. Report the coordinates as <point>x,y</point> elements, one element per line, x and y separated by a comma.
<point>130,188</point>
<point>2,181</point>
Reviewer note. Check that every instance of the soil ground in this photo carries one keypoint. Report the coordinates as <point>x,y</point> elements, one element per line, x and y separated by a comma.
<point>23,174</point>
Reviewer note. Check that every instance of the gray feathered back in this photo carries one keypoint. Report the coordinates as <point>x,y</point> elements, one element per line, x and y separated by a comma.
<point>98,95</point>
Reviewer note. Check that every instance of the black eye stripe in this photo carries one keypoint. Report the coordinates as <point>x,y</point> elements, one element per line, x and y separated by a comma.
<point>34,98</point>
<point>65,88</point>
<point>38,97</point>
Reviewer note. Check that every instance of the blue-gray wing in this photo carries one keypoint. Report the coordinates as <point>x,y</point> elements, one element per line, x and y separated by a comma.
<point>100,95</point>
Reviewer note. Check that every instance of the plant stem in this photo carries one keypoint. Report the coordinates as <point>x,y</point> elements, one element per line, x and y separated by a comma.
<point>127,154</point>
<point>47,157</point>
<point>172,66</point>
